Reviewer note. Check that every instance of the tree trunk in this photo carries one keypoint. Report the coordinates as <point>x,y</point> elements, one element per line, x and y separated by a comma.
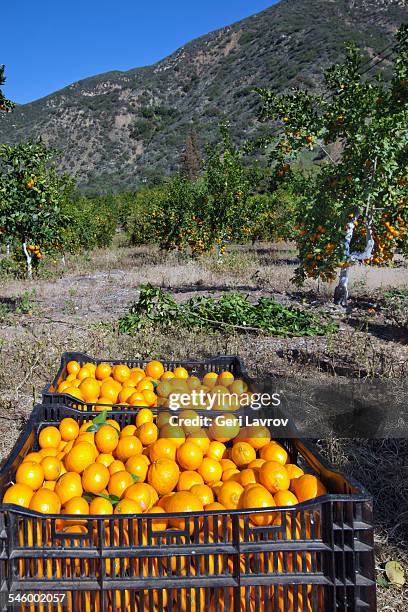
<point>29,260</point>
<point>7,250</point>
<point>62,261</point>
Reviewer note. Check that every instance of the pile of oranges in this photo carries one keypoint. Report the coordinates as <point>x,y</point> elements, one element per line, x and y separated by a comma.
<point>103,384</point>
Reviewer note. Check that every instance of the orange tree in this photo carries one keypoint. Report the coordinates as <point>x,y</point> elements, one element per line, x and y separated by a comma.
<point>32,195</point>
<point>356,207</point>
<point>5,105</point>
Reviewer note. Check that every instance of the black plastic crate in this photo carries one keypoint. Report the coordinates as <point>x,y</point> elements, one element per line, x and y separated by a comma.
<point>315,556</point>
<point>231,363</point>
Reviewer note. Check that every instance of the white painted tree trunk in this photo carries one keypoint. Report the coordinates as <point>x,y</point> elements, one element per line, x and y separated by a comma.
<point>7,250</point>
<point>62,261</point>
<point>29,260</point>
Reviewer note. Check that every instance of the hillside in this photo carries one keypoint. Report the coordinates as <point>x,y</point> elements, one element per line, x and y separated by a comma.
<point>119,129</point>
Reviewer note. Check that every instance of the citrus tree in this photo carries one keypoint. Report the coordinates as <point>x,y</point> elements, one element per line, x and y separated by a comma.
<point>32,196</point>
<point>5,105</point>
<point>356,207</point>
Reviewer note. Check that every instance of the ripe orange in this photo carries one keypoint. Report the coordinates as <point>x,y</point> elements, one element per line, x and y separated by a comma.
<point>116,466</point>
<point>189,455</point>
<point>106,439</point>
<point>274,452</point>
<point>138,466</point>
<point>188,479</point>
<point>163,475</point>
<point>210,470</point>
<point>137,399</point>
<point>49,452</point>
<point>128,446</point>
<point>74,392</point>
<point>216,450</point>
<point>100,505</point>
<point>105,458</point>
<point>76,505</point>
<point>145,385</point>
<point>163,448</point>
<point>49,484</point>
<point>95,478</point>
<point>52,468</point>
<point>167,375</point>
<point>145,415</point>
<point>142,493</point>
<point>62,386</point>
<point>230,474</point>
<point>45,501</point>
<point>103,370</point>
<point>257,436</point>
<point>87,436</point>
<point>227,464</point>
<point>175,433</point>
<point>128,430</point>
<point>308,487</point>
<point>247,476</point>
<point>214,506</point>
<point>159,524</point>
<point>199,437</point>
<point>180,373</point>
<point>256,496</point>
<point>225,430</point>
<point>36,457</point>
<point>274,477</point>
<point>109,390</point>
<point>210,379</point>
<point>73,367</point>
<point>119,482</point>
<point>127,506</point>
<point>147,433</point>
<point>120,372</point>
<point>203,492</point>
<point>293,471</point>
<point>49,437</point>
<point>257,463</point>
<point>89,388</point>
<point>30,474</point>
<point>124,394</point>
<point>84,372</point>
<point>69,429</point>
<point>242,454</point>
<point>155,369</point>
<point>18,494</point>
<point>80,456</point>
<point>183,501</point>
<point>68,485</point>
<point>150,397</point>
<point>229,494</point>
<point>225,378</point>
<point>285,498</point>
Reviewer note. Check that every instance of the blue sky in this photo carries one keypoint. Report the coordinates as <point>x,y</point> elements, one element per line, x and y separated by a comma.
<point>47,44</point>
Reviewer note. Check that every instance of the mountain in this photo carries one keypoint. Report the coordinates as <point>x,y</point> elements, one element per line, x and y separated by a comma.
<point>119,129</point>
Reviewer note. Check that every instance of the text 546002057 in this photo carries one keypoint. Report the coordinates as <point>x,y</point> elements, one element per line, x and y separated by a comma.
<point>36,597</point>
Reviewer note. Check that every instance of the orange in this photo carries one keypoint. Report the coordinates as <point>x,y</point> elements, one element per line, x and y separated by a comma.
<point>230,474</point>
<point>180,373</point>
<point>49,452</point>
<point>163,448</point>
<point>75,383</point>
<point>83,373</point>
<point>163,475</point>
<point>150,397</point>
<point>95,478</point>
<point>247,476</point>
<point>147,433</point>
<point>137,399</point>
<point>116,466</point>
<point>103,404</point>
<point>18,494</point>
<point>293,471</point>
<point>159,524</point>
<point>128,430</point>
<point>144,416</point>
<point>100,505</point>
<point>189,455</point>
<point>71,377</point>
<point>175,433</point>
<point>85,426</point>
<point>138,466</point>
<point>203,492</point>
<point>225,378</point>
<point>62,386</point>
<point>76,505</point>
<point>145,385</point>
<point>68,485</point>
<point>199,437</point>
<point>49,437</point>
<point>109,390</point>
<point>87,436</point>
<point>127,506</point>
<point>155,369</point>
<point>120,372</point>
<point>183,501</point>
<point>74,392</point>
<point>257,463</point>
<point>274,452</point>
<point>164,388</point>
<point>143,494</point>
<point>73,367</point>
<point>256,496</point>
<point>285,498</point>
<point>128,446</point>
<point>129,383</point>
<point>135,377</point>
<point>257,436</point>
<point>308,487</point>
<point>105,458</point>
<point>188,479</point>
<point>216,450</point>
<point>242,454</point>
<point>210,379</point>
<point>52,468</point>
<point>36,457</point>
<point>89,388</point>
<point>124,394</point>
<point>274,477</point>
<point>227,464</point>
<point>119,482</point>
<point>69,429</point>
<point>229,494</point>
<point>226,429</point>
<point>80,456</point>
<point>163,418</point>
<point>103,370</point>
<point>49,484</point>
<point>45,501</point>
<point>163,501</point>
<point>106,439</point>
<point>30,474</point>
<point>210,470</point>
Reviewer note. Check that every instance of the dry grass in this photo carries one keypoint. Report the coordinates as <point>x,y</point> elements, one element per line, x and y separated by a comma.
<point>78,311</point>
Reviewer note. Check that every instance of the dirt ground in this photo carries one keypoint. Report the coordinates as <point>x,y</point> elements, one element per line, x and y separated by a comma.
<point>78,309</point>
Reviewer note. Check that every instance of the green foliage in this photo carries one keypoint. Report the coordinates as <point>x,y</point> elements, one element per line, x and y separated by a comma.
<point>143,209</point>
<point>5,105</point>
<point>277,215</point>
<point>27,303</point>
<point>231,311</point>
<point>92,223</point>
